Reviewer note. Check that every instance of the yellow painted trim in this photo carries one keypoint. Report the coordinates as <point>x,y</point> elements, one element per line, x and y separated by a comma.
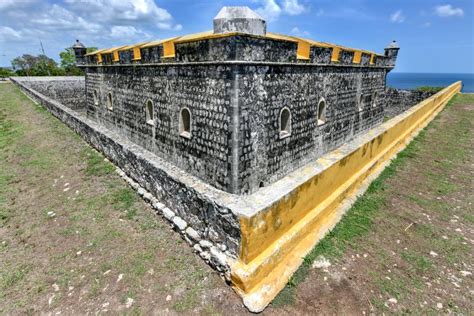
<point>158,42</point>
<point>111,50</point>
<point>116,56</point>
<point>357,57</point>
<point>99,58</point>
<point>95,52</point>
<point>336,51</point>
<point>274,241</point>
<point>137,53</point>
<point>303,50</point>
<point>372,59</point>
<point>168,49</point>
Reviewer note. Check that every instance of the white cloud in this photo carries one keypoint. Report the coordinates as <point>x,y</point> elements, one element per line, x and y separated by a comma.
<point>119,11</point>
<point>271,10</point>
<point>292,7</point>
<point>448,11</point>
<point>169,27</point>
<point>296,31</point>
<point>125,31</point>
<point>8,33</point>
<point>397,17</point>
<point>4,4</point>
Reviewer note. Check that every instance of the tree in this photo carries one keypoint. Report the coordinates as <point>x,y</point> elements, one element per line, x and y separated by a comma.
<point>68,61</point>
<point>40,65</point>
<point>5,73</point>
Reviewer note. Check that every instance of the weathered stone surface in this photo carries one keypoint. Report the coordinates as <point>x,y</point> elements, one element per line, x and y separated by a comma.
<point>397,101</point>
<point>239,19</point>
<point>168,214</point>
<point>69,91</point>
<point>180,223</point>
<point>218,259</point>
<point>206,244</point>
<point>148,196</point>
<point>159,206</point>
<point>193,234</point>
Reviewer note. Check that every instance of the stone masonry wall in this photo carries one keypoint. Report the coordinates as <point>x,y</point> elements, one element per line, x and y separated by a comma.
<point>265,90</point>
<point>67,90</point>
<point>397,101</point>
<point>205,91</point>
<point>255,155</point>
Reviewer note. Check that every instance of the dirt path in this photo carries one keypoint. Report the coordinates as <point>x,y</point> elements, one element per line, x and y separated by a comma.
<point>75,239</point>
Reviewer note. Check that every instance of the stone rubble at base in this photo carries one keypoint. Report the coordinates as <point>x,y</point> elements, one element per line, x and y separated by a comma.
<point>207,250</point>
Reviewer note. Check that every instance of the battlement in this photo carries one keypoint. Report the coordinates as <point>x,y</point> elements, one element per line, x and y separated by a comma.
<point>239,35</point>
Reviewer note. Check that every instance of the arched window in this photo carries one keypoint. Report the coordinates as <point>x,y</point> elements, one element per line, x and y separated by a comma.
<point>185,123</point>
<point>96,97</point>
<point>374,99</point>
<point>110,104</point>
<point>150,114</point>
<point>285,123</point>
<point>360,102</point>
<point>321,112</point>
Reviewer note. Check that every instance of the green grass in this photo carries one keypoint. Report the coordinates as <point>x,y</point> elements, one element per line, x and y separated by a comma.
<point>95,164</point>
<point>418,262</point>
<point>429,89</point>
<point>358,221</point>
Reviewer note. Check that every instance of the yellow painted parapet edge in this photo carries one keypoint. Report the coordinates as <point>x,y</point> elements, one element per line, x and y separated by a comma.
<point>302,52</point>
<point>275,240</point>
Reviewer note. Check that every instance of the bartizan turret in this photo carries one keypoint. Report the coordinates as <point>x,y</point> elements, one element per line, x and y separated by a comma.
<point>79,52</point>
<point>391,52</point>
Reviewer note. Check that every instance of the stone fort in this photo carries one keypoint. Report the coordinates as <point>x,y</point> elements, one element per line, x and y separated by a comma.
<point>249,142</point>
<point>238,107</point>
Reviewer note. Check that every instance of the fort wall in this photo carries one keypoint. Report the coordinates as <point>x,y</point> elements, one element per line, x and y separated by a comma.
<point>222,96</point>
<point>69,91</point>
<point>204,90</point>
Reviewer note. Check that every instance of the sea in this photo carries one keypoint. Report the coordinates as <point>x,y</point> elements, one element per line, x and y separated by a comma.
<point>406,80</point>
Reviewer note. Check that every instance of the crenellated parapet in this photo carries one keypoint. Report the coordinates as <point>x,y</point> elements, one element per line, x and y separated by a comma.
<point>240,35</point>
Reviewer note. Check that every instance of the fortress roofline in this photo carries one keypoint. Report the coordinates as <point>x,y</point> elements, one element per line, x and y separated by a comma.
<point>211,35</point>
<point>240,34</point>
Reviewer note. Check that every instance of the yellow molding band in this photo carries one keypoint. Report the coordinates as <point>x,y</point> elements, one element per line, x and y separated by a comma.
<point>157,42</point>
<point>168,49</point>
<point>95,52</point>
<point>303,50</point>
<point>372,59</point>
<point>275,240</point>
<point>116,56</point>
<point>137,53</point>
<point>357,57</point>
<point>111,50</point>
<point>336,51</point>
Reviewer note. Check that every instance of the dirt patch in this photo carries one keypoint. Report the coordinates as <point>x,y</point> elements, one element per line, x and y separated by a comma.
<point>75,239</point>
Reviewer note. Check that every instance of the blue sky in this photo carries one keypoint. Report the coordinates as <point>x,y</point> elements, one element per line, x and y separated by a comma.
<point>435,36</point>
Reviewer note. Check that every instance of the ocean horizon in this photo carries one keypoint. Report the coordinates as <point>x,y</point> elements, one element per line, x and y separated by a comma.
<point>411,80</point>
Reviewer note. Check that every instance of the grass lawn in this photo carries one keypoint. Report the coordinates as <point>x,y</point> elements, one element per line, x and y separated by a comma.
<point>75,239</point>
